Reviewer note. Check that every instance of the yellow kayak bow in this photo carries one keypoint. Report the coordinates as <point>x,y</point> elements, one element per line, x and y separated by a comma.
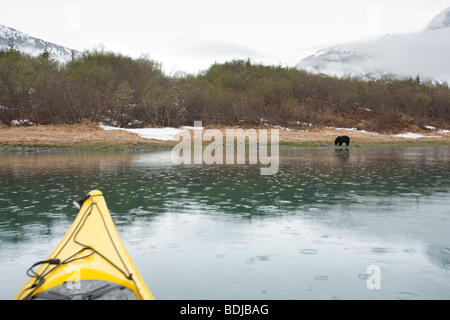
<point>90,262</point>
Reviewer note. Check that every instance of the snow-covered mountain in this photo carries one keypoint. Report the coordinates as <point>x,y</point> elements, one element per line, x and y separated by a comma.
<point>426,54</point>
<point>33,46</point>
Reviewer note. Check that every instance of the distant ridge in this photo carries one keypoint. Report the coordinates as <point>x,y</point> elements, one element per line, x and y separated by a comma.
<point>442,20</point>
<point>424,54</point>
<point>34,46</point>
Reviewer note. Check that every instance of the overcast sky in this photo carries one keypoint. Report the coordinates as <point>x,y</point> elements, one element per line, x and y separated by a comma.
<point>190,35</point>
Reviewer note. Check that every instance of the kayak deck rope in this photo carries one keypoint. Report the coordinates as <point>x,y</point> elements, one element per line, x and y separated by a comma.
<point>40,278</point>
<point>126,273</point>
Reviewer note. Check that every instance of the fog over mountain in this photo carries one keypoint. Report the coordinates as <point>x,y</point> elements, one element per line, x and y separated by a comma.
<point>395,55</point>
<point>424,53</point>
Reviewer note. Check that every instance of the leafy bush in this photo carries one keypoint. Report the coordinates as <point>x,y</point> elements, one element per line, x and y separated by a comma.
<point>111,88</point>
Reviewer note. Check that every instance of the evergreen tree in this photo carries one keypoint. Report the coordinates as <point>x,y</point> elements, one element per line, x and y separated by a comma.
<point>46,53</point>
<point>12,44</point>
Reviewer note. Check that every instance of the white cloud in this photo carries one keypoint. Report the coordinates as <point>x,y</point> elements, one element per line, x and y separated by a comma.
<point>282,31</point>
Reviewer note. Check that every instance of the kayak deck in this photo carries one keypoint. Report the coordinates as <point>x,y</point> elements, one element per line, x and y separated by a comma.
<point>87,290</point>
<point>90,261</point>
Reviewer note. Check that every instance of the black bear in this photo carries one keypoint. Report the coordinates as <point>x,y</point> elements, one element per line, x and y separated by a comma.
<point>342,139</point>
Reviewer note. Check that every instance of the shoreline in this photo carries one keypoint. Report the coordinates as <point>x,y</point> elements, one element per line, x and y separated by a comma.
<point>92,137</point>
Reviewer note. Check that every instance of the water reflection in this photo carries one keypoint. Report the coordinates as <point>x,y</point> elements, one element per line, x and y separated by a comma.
<point>308,232</point>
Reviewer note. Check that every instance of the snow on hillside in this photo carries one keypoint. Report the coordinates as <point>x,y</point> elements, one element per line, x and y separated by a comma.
<point>442,20</point>
<point>33,46</point>
<point>398,55</point>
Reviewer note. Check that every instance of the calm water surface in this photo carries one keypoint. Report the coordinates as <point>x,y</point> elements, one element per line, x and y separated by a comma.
<point>313,231</point>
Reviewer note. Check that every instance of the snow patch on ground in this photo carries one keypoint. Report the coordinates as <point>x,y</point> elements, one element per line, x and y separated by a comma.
<point>356,129</point>
<point>162,134</point>
<point>171,134</point>
<point>411,135</point>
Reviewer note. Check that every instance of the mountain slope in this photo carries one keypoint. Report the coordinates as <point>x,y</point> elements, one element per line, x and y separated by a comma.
<point>33,46</point>
<point>399,56</point>
<point>442,20</point>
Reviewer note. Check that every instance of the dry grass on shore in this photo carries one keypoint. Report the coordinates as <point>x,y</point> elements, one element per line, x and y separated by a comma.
<point>82,135</point>
<point>91,135</point>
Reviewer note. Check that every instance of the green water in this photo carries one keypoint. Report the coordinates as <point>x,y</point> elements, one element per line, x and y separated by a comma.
<point>312,231</point>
